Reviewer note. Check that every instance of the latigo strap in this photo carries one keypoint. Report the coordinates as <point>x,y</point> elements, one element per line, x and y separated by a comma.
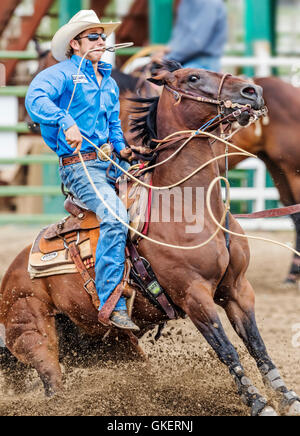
<point>89,284</point>
<point>110,304</point>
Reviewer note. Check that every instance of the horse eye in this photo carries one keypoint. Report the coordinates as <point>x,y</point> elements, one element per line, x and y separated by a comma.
<point>194,79</point>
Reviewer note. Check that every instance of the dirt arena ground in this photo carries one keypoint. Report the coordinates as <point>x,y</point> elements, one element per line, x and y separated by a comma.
<point>183,376</point>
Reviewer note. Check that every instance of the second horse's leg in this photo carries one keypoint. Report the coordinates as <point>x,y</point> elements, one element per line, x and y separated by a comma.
<point>294,273</point>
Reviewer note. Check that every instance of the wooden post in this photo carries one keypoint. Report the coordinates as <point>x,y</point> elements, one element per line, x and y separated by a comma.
<point>68,8</point>
<point>160,20</point>
<point>260,20</point>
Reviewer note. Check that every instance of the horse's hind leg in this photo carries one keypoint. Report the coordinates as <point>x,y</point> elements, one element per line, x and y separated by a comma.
<point>201,309</point>
<point>239,307</point>
<point>31,337</point>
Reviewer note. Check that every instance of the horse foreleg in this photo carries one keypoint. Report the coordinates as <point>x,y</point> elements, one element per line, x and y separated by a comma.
<point>239,307</point>
<point>31,337</point>
<point>201,309</point>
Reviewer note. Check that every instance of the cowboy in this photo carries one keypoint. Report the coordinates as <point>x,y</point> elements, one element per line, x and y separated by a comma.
<point>199,35</point>
<point>91,110</point>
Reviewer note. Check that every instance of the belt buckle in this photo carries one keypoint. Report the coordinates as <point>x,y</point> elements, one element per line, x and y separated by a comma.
<point>106,151</point>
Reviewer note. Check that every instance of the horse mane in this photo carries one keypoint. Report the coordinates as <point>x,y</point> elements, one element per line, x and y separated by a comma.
<point>145,125</point>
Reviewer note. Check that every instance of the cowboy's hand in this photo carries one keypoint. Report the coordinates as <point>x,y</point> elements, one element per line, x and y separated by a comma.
<point>129,153</point>
<point>139,150</point>
<point>126,153</point>
<point>74,138</point>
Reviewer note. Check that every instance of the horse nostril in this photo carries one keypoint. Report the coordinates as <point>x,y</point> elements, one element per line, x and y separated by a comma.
<point>249,92</point>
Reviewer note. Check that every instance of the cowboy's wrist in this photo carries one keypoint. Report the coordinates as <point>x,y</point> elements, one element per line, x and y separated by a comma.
<point>66,122</point>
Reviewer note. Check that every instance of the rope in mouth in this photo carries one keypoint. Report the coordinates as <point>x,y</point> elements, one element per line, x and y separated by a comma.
<point>111,48</point>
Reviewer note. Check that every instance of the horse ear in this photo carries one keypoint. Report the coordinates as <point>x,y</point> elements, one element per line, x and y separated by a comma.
<point>162,78</point>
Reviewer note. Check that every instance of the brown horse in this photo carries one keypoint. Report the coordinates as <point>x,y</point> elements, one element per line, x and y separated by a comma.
<point>199,279</point>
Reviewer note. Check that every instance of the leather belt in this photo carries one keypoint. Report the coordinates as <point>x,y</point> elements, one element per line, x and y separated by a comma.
<point>69,160</point>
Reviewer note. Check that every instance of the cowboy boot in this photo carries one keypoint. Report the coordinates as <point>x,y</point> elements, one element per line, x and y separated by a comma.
<point>121,319</point>
<point>118,318</point>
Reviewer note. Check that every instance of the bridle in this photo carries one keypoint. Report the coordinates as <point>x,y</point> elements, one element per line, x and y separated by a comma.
<point>217,121</point>
<point>222,105</point>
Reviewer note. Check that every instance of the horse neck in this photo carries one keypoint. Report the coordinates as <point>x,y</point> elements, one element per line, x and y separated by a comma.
<point>197,152</point>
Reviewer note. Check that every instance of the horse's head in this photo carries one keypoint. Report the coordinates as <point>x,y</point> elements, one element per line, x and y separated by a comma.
<point>204,94</point>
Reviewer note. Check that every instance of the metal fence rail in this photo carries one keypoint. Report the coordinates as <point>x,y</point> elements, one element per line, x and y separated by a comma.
<point>44,191</point>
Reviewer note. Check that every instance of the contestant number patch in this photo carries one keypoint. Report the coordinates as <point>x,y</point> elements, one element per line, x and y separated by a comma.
<point>79,78</point>
<point>49,256</point>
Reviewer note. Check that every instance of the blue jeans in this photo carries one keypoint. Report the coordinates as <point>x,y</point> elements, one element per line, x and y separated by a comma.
<point>110,251</point>
<point>210,63</point>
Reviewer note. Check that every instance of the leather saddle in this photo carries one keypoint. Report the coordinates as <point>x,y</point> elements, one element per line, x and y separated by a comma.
<point>82,226</point>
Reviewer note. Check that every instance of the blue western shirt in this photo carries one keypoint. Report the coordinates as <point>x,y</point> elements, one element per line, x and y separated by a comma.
<point>95,109</point>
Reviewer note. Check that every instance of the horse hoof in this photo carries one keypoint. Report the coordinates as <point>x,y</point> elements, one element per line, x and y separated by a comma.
<point>294,409</point>
<point>268,411</point>
<point>51,391</point>
<point>289,284</point>
<point>49,394</point>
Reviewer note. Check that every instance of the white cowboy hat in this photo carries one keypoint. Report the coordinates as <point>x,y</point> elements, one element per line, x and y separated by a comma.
<point>83,20</point>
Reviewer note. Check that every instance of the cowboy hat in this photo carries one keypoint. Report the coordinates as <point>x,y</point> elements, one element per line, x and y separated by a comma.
<point>83,20</point>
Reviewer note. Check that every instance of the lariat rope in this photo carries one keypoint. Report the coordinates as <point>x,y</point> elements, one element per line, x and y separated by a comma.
<point>208,201</point>
<point>193,134</point>
<point>164,244</point>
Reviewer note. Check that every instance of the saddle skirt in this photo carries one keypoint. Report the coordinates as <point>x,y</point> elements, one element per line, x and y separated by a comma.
<point>50,254</point>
